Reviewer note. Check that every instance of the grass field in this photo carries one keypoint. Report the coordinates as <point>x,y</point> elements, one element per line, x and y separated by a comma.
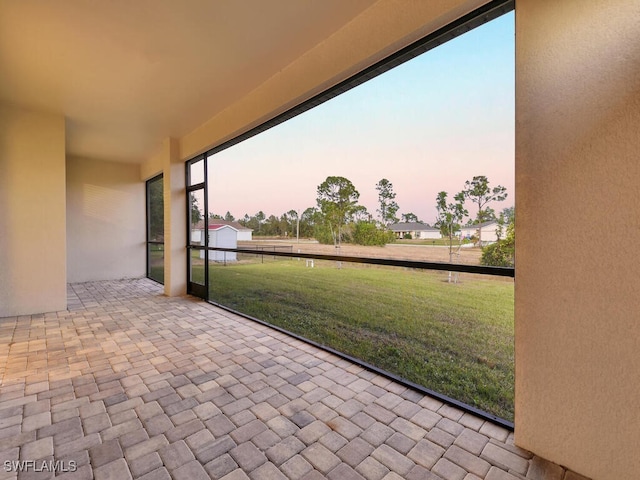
<point>456,339</point>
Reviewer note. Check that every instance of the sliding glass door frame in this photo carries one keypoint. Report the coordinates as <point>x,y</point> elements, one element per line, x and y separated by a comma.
<point>193,287</point>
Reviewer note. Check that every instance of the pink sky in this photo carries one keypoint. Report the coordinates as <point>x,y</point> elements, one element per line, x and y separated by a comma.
<point>426,126</point>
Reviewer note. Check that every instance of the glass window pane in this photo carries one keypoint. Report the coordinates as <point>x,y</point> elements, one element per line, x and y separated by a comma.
<point>196,217</point>
<point>155,229</point>
<point>156,210</point>
<point>387,170</point>
<point>196,266</point>
<point>226,229</point>
<point>156,262</point>
<point>196,172</point>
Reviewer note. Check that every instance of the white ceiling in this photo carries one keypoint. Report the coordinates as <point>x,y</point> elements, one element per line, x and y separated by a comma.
<point>128,73</point>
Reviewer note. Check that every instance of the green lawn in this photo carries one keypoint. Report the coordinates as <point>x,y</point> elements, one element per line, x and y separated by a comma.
<point>456,339</point>
<point>156,262</point>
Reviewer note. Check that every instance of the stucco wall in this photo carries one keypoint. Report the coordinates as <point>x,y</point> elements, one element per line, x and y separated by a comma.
<point>175,219</point>
<point>105,220</point>
<point>578,295</point>
<point>32,212</point>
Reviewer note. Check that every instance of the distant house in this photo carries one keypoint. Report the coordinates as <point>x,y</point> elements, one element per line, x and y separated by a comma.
<point>489,231</point>
<point>415,229</point>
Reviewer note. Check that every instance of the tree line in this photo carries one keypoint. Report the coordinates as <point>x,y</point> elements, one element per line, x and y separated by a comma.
<point>338,218</point>
<point>335,219</point>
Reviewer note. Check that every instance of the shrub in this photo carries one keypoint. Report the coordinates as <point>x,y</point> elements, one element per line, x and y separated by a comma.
<point>503,252</point>
<point>367,233</point>
<point>322,233</point>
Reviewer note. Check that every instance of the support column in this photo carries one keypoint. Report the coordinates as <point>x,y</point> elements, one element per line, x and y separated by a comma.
<point>175,220</point>
<point>33,248</point>
<point>578,226</point>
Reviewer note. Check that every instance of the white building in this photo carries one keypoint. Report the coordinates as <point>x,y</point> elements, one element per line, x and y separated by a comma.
<point>417,230</point>
<point>223,236</point>
<point>244,233</point>
<point>489,231</point>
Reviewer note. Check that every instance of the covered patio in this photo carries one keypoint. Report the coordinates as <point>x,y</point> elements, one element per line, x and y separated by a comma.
<point>129,383</point>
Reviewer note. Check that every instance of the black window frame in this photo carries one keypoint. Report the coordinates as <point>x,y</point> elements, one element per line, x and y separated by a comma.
<point>195,288</point>
<point>150,242</point>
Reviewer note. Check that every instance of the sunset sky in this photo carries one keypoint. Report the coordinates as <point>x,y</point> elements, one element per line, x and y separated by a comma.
<point>427,125</point>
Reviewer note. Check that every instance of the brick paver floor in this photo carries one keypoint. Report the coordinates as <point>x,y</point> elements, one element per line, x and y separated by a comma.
<point>130,384</point>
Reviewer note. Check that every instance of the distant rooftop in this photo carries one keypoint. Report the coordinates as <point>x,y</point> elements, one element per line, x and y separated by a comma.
<point>216,223</point>
<point>411,227</point>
